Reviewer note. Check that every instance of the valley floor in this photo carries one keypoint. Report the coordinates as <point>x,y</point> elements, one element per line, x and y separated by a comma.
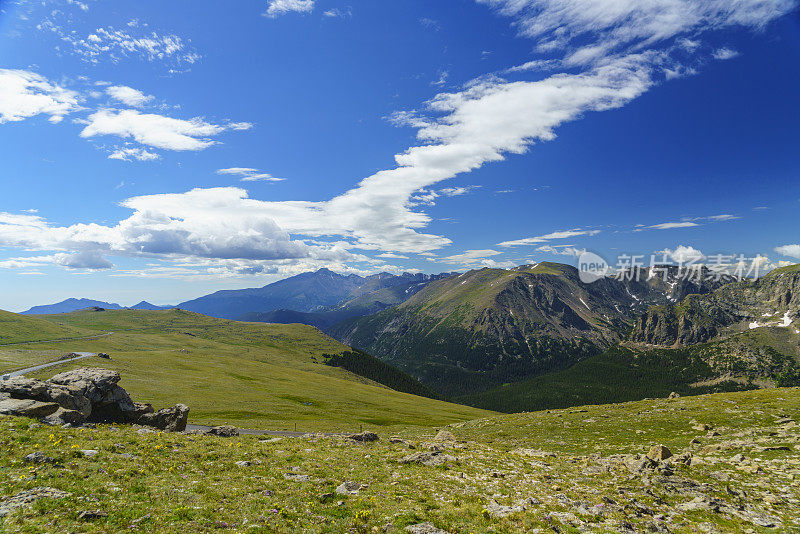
<point>735,468</point>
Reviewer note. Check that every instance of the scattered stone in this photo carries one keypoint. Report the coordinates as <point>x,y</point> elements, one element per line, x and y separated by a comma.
<point>326,497</point>
<point>223,431</point>
<point>444,435</point>
<point>271,440</point>
<point>431,459</point>
<point>39,457</point>
<point>243,463</point>
<point>296,477</point>
<point>349,488</point>
<point>425,528</point>
<point>364,436</point>
<point>62,416</point>
<point>674,395</point>
<point>659,453</point>
<point>27,497</point>
<point>498,510</point>
<point>88,453</point>
<point>88,515</point>
<point>170,419</point>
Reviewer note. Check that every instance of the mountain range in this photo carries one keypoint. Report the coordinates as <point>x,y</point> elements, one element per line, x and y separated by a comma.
<point>73,304</point>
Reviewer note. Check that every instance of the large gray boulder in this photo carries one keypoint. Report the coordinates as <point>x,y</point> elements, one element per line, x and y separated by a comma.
<point>81,395</point>
<point>109,402</point>
<point>170,419</point>
<point>27,408</point>
<point>68,397</point>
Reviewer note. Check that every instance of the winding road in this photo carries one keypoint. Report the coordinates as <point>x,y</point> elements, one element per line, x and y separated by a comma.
<point>21,372</point>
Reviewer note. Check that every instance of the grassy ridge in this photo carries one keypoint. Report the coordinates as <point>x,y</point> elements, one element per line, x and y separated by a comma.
<point>16,328</point>
<point>253,375</point>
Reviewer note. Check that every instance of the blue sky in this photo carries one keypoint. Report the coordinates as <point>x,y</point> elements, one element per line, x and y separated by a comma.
<point>163,150</point>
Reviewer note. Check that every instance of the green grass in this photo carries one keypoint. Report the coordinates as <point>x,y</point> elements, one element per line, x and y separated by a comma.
<point>244,374</point>
<point>16,328</point>
<point>189,483</point>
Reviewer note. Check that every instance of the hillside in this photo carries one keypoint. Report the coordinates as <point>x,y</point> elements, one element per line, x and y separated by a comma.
<point>483,328</point>
<point>250,374</point>
<point>729,465</point>
<point>15,328</point>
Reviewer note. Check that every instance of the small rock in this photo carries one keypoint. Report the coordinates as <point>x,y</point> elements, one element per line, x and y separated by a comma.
<point>296,477</point>
<point>223,431</point>
<point>444,435</point>
<point>39,457</point>
<point>425,528</point>
<point>659,453</point>
<point>88,453</point>
<point>243,463</point>
<point>326,497</point>
<point>431,459</point>
<point>674,395</point>
<point>349,488</point>
<point>27,497</point>
<point>169,419</point>
<point>88,515</point>
<point>364,436</point>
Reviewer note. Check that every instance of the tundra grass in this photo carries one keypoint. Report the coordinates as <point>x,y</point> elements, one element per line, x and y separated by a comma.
<point>252,375</point>
<point>571,476</point>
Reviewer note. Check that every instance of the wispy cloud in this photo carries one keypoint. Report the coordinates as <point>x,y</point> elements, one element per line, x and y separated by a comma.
<point>792,251</point>
<point>563,234</point>
<point>725,53</point>
<point>152,130</point>
<point>128,95</point>
<point>247,174</point>
<point>282,7</point>
<point>133,153</point>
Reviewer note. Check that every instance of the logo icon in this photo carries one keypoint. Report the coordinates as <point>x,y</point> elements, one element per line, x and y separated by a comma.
<point>592,267</point>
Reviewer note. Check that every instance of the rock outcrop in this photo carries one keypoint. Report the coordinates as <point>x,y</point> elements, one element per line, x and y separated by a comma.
<point>84,395</point>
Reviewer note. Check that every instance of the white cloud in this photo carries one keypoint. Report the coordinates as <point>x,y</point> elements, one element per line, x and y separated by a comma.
<point>792,251</point>
<point>114,45</point>
<point>128,95</point>
<point>339,13</point>
<point>133,153</point>
<point>248,174</point>
<point>603,27</point>
<point>535,65</point>
<point>562,250</point>
<point>684,254</point>
<point>725,53</point>
<point>457,191</point>
<point>564,234</point>
<point>152,130</point>
<point>281,7</point>
<point>24,94</point>
<point>668,226</point>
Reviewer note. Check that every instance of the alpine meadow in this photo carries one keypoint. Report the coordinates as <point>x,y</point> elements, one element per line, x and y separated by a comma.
<point>452,267</point>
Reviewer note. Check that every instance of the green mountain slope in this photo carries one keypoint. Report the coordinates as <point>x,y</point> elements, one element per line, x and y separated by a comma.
<point>490,326</point>
<point>250,374</point>
<point>15,328</point>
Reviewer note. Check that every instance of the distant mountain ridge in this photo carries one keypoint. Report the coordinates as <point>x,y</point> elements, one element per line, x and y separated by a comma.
<point>73,304</point>
<point>321,292</point>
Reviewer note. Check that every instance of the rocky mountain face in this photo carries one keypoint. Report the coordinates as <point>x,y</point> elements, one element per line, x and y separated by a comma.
<point>773,300</point>
<point>482,328</point>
